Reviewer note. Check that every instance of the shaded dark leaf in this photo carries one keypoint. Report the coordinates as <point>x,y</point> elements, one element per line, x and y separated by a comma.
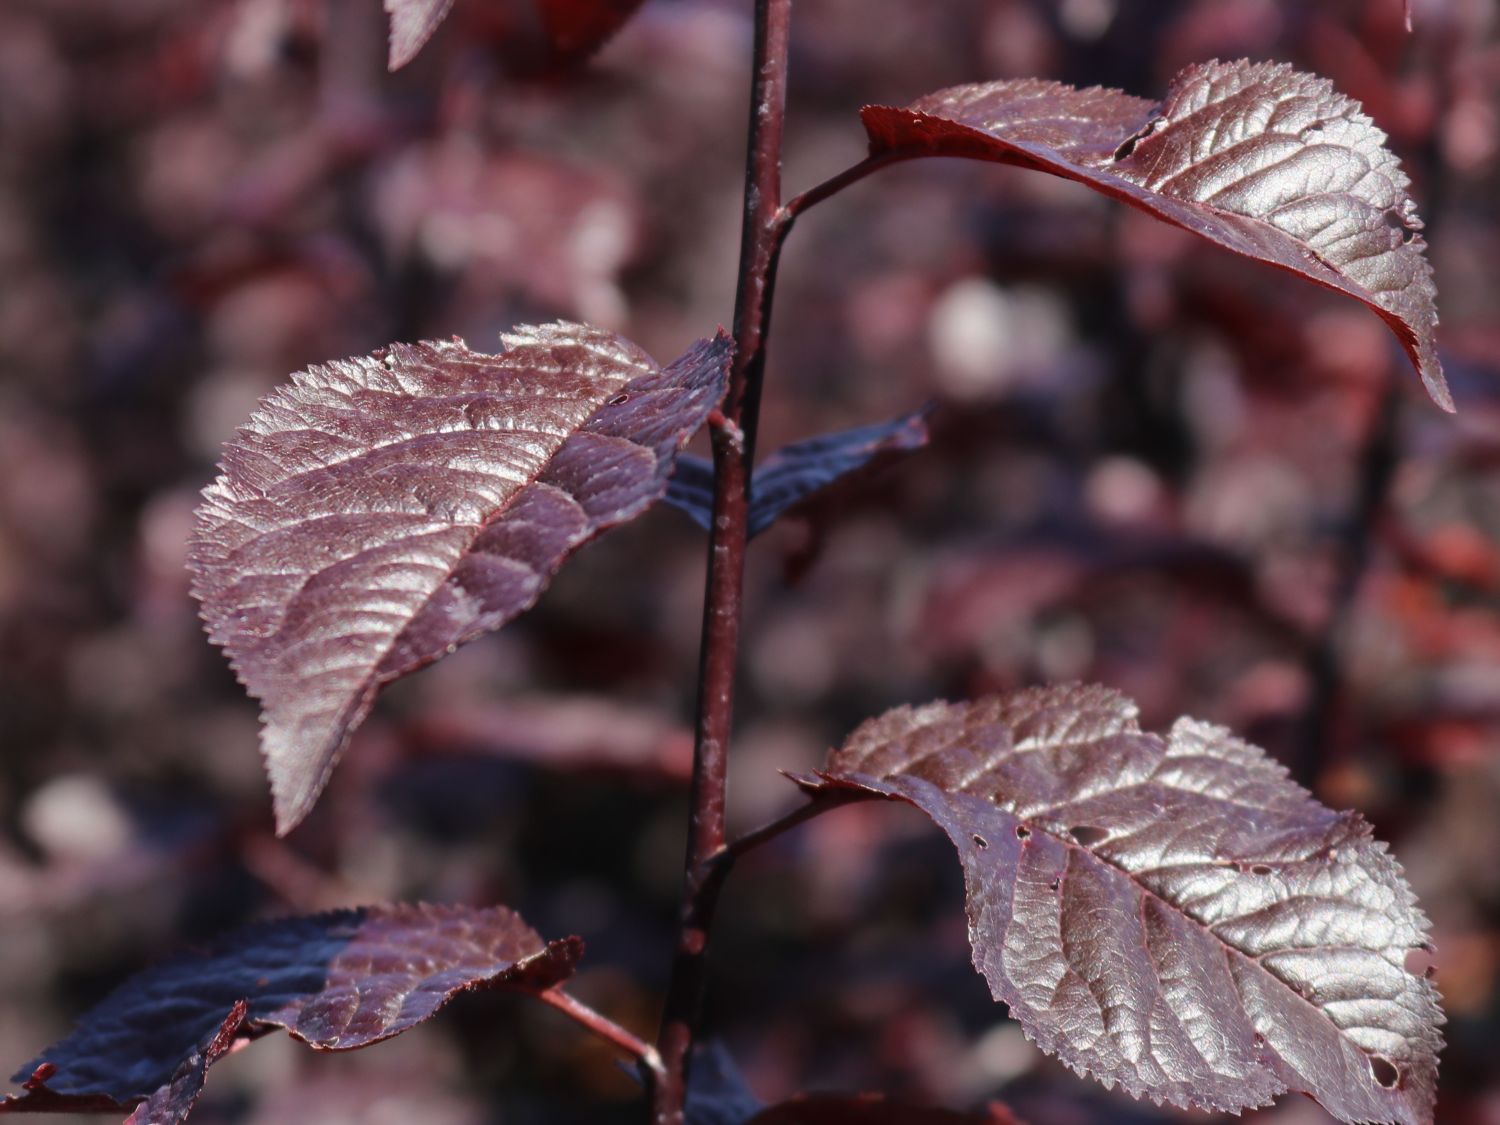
<point>173,1102</point>
<point>412,24</point>
<point>833,1110</point>
<point>336,981</point>
<point>691,489</point>
<point>717,1091</point>
<point>1171,913</point>
<point>1258,158</point>
<point>793,473</point>
<point>381,511</point>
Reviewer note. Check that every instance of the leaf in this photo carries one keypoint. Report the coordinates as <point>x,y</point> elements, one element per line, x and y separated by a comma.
<point>171,1104</point>
<point>833,1110</point>
<point>574,29</point>
<point>1259,158</point>
<point>578,28</point>
<point>1170,913</point>
<point>412,24</point>
<point>793,473</point>
<point>381,511</point>
<point>571,733</point>
<point>717,1092</point>
<point>336,981</point>
<point>719,1095</point>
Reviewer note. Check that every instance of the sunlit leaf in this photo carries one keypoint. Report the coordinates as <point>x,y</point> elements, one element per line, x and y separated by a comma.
<point>1169,913</point>
<point>380,511</point>
<point>1256,157</point>
<point>336,981</point>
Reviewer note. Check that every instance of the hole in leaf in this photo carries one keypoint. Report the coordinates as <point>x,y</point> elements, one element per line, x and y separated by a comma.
<point>1127,146</point>
<point>1056,882</point>
<point>1022,832</point>
<point>619,400</point>
<point>1419,962</point>
<point>980,841</point>
<point>1385,1071</point>
<point>1088,834</point>
<point>1260,869</point>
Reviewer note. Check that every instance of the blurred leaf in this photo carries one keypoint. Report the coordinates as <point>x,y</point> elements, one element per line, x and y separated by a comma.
<point>381,511</point>
<point>578,28</point>
<point>793,473</point>
<point>717,1091</point>
<point>1171,914</point>
<point>572,733</point>
<point>412,24</point>
<point>336,981</point>
<point>829,1110</point>
<point>574,29</point>
<point>1259,158</point>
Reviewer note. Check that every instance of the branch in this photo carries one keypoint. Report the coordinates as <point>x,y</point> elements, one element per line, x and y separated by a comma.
<point>734,453</point>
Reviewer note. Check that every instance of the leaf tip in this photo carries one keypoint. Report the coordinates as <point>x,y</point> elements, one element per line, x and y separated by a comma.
<point>1437,387</point>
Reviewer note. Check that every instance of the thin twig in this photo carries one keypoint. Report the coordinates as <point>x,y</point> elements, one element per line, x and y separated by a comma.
<point>606,1028</point>
<point>819,803</point>
<point>835,184</point>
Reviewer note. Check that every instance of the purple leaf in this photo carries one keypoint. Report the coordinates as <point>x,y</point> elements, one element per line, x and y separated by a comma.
<point>171,1104</point>
<point>412,24</point>
<point>336,981</point>
<point>1169,913</point>
<point>1258,158</point>
<point>381,511</point>
<point>793,473</point>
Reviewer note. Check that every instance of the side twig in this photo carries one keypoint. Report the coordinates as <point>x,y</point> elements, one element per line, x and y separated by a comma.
<point>604,1027</point>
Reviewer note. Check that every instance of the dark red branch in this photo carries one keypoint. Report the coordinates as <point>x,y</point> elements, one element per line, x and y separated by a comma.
<point>734,450</point>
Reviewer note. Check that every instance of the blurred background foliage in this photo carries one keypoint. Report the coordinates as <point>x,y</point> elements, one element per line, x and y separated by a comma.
<point>1195,479</point>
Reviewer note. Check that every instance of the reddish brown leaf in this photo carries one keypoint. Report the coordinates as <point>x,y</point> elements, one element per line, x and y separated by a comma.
<point>1258,158</point>
<point>1170,913</point>
<point>379,512</point>
<point>578,28</point>
<point>573,29</point>
<point>336,981</point>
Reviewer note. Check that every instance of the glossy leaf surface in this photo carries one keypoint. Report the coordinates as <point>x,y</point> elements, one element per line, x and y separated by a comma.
<point>1169,913</point>
<point>795,472</point>
<point>336,981</point>
<point>381,511</point>
<point>1258,158</point>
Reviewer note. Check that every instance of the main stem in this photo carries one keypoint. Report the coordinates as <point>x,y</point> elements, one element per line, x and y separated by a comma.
<point>733,450</point>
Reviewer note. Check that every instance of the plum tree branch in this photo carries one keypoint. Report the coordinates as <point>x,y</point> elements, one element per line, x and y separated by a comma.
<point>734,453</point>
